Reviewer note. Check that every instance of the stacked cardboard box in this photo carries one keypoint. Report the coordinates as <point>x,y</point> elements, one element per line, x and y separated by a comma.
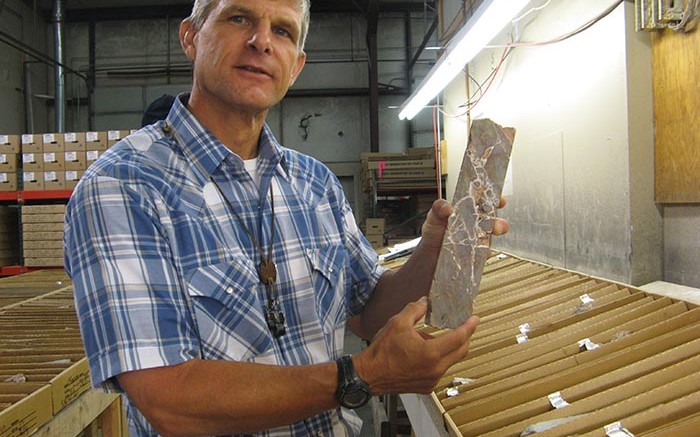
<point>9,162</point>
<point>42,235</point>
<point>576,354</point>
<point>374,231</point>
<point>57,161</point>
<point>9,230</point>
<point>399,172</point>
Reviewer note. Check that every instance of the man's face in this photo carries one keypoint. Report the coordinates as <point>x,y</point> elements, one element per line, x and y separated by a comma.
<point>246,54</point>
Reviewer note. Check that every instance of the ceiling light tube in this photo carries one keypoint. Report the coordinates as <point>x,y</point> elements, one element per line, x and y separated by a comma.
<point>487,21</point>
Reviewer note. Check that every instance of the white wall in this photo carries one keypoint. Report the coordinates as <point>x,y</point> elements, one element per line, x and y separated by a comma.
<point>580,164</point>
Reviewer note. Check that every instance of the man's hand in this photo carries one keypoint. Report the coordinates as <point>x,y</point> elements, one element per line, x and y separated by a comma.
<point>433,229</point>
<point>400,360</point>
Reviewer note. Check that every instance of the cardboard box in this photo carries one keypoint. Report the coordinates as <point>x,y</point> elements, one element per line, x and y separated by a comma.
<point>10,144</point>
<point>96,141</point>
<point>9,162</point>
<point>72,178</point>
<point>374,226</point>
<point>43,210</point>
<point>75,160</point>
<point>33,162</point>
<point>91,156</point>
<point>32,143</point>
<point>401,164</point>
<point>54,180</point>
<point>32,181</point>
<point>70,384</point>
<point>52,142</point>
<point>54,161</point>
<point>8,182</point>
<point>376,241</point>
<point>114,136</point>
<point>74,141</point>
<point>23,418</point>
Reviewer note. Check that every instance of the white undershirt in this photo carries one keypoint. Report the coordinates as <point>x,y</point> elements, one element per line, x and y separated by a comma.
<point>251,165</point>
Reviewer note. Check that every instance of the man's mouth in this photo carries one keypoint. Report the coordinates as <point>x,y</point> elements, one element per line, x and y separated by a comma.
<point>254,69</point>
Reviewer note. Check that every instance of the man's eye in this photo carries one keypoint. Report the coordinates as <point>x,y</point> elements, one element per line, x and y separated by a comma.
<point>282,32</point>
<point>237,19</point>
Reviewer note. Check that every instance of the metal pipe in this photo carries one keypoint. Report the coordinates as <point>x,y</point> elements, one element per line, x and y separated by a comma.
<point>59,78</point>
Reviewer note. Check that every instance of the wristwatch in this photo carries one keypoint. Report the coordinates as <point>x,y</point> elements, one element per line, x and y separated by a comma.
<point>352,391</point>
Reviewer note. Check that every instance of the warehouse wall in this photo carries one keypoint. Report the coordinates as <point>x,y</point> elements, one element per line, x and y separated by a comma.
<point>133,57</point>
<point>19,22</point>
<point>582,165</point>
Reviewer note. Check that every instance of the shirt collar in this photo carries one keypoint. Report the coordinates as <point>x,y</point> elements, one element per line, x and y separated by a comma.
<point>207,152</point>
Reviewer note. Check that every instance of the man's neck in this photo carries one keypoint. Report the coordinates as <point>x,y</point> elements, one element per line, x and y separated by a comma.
<point>239,131</point>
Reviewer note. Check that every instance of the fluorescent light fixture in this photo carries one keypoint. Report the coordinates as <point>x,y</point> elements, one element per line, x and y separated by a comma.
<point>487,21</point>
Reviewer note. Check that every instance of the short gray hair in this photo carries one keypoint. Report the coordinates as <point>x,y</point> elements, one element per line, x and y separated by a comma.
<point>202,8</point>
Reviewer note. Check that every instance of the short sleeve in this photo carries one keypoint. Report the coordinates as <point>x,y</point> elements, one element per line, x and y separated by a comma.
<point>132,306</point>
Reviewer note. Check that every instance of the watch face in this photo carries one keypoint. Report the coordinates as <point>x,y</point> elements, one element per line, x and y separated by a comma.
<point>355,396</point>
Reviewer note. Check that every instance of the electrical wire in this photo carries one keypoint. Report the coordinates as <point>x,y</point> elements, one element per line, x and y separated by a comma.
<point>538,8</point>
<point>486,84</point>
<point>691,11</point>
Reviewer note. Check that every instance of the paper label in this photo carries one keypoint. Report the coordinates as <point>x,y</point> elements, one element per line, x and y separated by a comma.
<point>113,135</point>
<point>29,176</point>
<point>70,137</point>
<point>4,139</point>
<point>521,338</point>
<point>92,155</point>
<point>557,401</point>
<point>72,175</point>
<point>3,177</point>
<point>50,176</point>
<point>3,158</point>
<point>524,328</point>
<point>49,138</point>
<point>27,139</point>
<point>616,430</point>
<point>71,156</point>
<point>586,299</point>
<point>49,157</point>
<point>587,345</point>
<point>92,136</point>
<point>28,158</point>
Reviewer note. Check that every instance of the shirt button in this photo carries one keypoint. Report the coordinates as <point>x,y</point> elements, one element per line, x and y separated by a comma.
<point>330,269</point>
<point>229,290</point>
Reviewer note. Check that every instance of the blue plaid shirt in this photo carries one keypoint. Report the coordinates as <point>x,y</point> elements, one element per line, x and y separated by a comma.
<point>163,271</point>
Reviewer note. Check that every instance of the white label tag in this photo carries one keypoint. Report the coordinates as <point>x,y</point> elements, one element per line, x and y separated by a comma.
<point>71,175</point>
<point>557,401</point>
<point>113,135</point>
<point>586,299</point>
<point>50,176</point>
<point>27,139</point>
<point>3,158</point>
<point>92,155</point>
<point>3,177</point>
<point>521,338</point>
<point>28,158</point>
<point>92,136</point>
<point>616,430</point>
<point>524,328</point>
<point>70,137</point>
<point>28,176</point>
<point>587,345</point>
<point>71,156</point>
<point>501,256</point>
<point>49,157</point>
<point>4,139</point>
<point>49,138</point>
<point>452,392</point>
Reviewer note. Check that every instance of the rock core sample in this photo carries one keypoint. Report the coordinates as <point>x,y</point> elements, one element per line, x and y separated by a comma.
<point>466,245</point>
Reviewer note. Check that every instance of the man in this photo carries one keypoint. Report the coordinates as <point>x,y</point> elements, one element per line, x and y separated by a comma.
<point>214,270</point>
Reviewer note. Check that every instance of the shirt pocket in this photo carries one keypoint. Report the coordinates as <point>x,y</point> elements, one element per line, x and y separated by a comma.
<point>227,309</point>
<point>328,279</point>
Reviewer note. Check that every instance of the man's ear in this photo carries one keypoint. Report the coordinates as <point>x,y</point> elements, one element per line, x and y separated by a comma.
<point>296,71</point>
<point>187,34</point>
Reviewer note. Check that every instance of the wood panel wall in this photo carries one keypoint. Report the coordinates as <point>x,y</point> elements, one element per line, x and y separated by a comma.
<point>676,68</point>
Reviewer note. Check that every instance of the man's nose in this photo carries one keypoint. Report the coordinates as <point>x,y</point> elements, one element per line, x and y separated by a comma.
<point>261,38</point>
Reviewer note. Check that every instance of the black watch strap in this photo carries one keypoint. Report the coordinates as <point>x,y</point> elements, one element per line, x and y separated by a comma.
<point>352,391</point>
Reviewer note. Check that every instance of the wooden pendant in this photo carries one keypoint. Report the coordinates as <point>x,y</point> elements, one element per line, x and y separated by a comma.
<point>267,271</point>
